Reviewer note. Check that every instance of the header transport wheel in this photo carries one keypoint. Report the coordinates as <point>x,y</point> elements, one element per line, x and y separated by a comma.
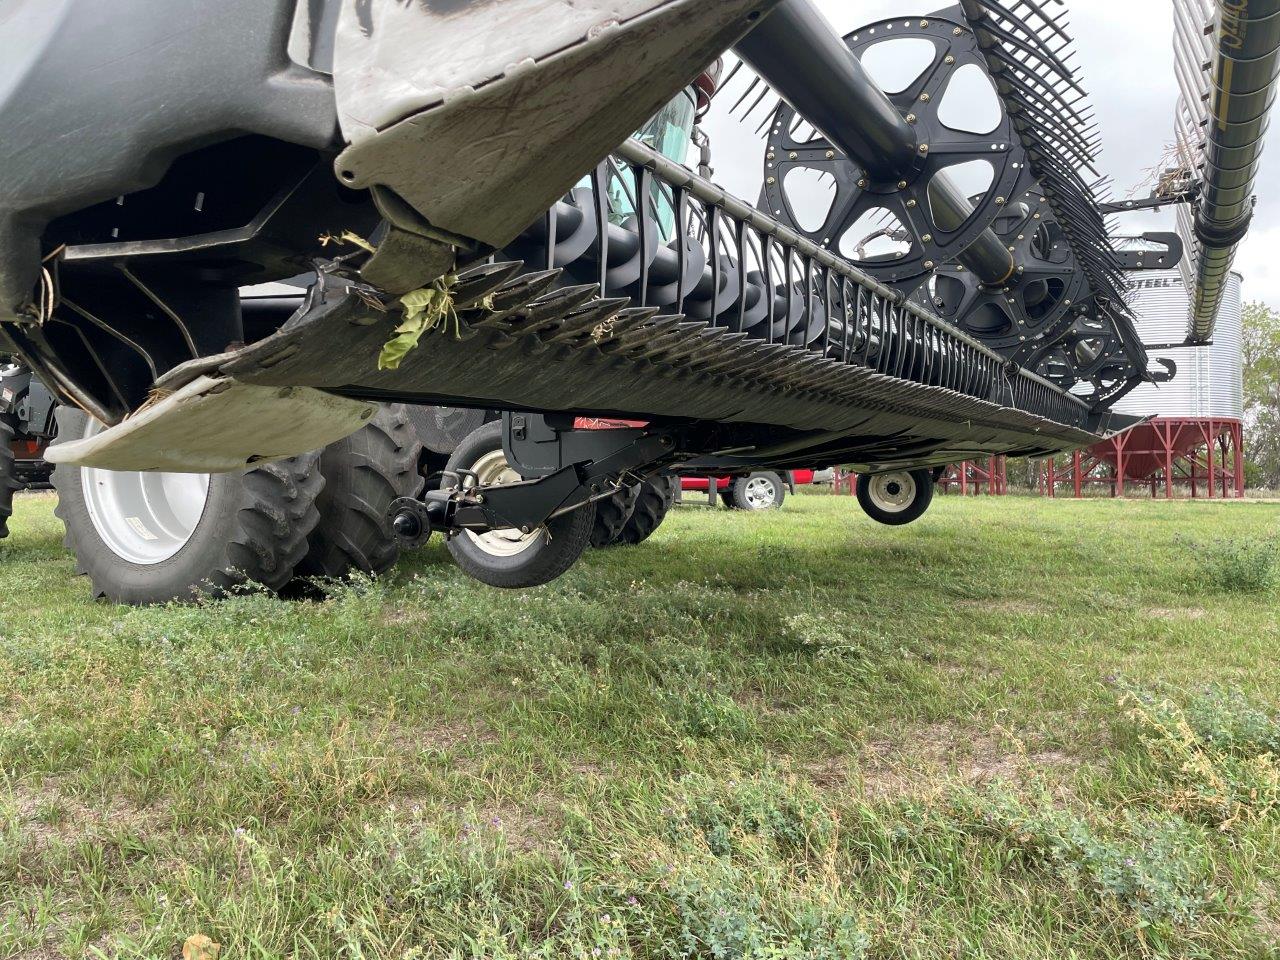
<point>511,558</point>
<point>896,498</point>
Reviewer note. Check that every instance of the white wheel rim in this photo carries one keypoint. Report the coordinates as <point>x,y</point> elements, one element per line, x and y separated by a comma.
<point>493,470</point>
<point>143,518</point>
<point>759,493</point>
<point>892,492</point>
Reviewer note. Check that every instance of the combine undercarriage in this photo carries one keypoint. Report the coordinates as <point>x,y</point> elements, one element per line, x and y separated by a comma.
<point>471,208</point>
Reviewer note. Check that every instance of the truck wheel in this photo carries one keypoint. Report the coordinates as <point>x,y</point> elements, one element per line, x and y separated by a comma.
<point>509,558</point>
<point>9,483</point>
<point>154,537</point>
<point>362,474</point>
<point>612,514</point>
<point>896,498</point>
<point>758,491</point>
<point>654,501</point>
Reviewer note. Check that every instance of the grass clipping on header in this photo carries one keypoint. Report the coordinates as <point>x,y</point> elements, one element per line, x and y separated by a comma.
<point>427,308</point>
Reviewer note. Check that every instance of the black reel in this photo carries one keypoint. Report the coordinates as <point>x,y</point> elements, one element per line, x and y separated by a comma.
<point>1089,359</point>
<point>1034,307</point>
<point>902,212</point>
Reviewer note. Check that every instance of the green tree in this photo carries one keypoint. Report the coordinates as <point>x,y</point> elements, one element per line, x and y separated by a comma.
<point>1262,394</point>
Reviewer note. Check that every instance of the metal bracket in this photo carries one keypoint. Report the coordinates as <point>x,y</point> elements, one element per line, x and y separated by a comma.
<point>568,468</point>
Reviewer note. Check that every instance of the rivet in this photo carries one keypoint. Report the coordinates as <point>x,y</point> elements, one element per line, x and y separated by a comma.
<point>862,184</point>
<point>927,237</point>
<point>999,201</point>
<point>928,264</point>
<point>924,23</point>
<point>948,59</point>
<point>773,180</point>
<point>924,148</point>
<point>793,155</point>
<point>911,203</point>
<point>924,98</point>
<point>911,118</point>
<point>831,154</point>
<point>902,184</point>
<point>956,32</point>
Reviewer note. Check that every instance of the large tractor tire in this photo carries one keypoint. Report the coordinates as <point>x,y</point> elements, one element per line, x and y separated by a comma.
<point>146,538</point>
<point>612,514</point>
<point>511,558</point>
<point>9,483</point>
<point>652,505</point>
<point>363,474</point>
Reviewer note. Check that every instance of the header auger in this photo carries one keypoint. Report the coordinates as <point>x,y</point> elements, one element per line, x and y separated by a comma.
<point>382,156</point>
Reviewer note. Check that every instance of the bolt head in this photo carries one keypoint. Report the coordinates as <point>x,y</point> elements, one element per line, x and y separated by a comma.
<point>927,237</point>
<point>999,201</point>
<point>911,203</point>
<point>862,184</point>
<point>831,154</point>
<point>924,98</point>
<point>957,32</point>
<point>948,59</point>
<point>928,264</point>
<point>793,155</point>
<point>773,180</point>
<point>924,148</point>
<point>902,184</point>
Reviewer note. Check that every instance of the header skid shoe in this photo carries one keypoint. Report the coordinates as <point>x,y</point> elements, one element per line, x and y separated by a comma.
<point>481,115</point>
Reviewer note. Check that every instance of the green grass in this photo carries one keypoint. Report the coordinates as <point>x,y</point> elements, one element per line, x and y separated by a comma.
<point>1015,729</point>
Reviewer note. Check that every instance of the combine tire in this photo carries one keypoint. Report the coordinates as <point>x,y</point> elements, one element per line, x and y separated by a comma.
<point>362,474</point>
<point>759,491</point>
<point>154,537</point>
<point>655,500</point>
<point>612,515</point>
<point>509,558</point>
<point>9,483</point>
<point>896,498</point>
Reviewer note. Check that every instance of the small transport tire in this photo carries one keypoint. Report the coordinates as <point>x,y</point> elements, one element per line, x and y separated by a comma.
<point>758,491</point>
<point>146,538</point>
<point>509,558</point>
<point>9,483</point>
<point>654,501</point>
<point>612,514</point>
<point>362,474</point>
<point>896,498</point>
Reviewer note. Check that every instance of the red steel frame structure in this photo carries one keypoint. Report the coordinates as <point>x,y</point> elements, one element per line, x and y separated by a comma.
<point>1203,455</point>
<point>975,477</point>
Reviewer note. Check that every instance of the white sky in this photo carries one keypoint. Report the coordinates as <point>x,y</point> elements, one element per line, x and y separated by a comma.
<point>1125,62</point>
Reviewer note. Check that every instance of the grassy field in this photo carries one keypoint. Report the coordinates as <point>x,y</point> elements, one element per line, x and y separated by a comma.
<point>1016,729</point>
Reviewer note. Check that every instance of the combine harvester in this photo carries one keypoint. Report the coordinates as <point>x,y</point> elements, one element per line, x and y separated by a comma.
<point>453,184</point>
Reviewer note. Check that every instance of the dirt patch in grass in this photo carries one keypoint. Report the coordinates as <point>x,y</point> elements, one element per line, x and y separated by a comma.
<point>47,813</point>
<point>920,763</point>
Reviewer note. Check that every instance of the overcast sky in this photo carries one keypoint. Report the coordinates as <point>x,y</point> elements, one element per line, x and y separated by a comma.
<point>1125,61</point>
